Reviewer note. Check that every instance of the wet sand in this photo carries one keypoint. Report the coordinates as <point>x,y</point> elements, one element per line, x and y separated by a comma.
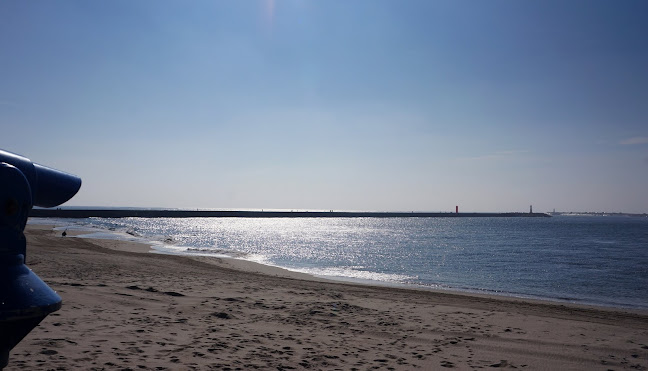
<point>125,308</point>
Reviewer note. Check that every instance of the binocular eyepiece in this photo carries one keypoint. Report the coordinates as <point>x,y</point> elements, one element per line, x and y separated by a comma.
<point>25,299</point>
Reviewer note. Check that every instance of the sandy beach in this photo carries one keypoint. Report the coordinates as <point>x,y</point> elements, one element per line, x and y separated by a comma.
<point>127,309</point>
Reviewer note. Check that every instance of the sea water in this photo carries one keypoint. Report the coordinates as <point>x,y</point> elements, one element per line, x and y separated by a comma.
<point>601,260</point>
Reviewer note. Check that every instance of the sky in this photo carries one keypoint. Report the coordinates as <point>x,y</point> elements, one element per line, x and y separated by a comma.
<point>346,105</point>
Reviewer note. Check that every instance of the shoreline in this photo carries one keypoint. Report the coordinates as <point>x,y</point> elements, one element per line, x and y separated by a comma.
<point>252,266</point>
<point>124,309</point>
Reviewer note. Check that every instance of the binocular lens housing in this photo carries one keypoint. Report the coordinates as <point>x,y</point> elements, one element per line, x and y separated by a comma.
<point>49,187</point>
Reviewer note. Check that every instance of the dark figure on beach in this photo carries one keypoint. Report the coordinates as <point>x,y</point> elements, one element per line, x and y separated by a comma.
<point>64,233</point>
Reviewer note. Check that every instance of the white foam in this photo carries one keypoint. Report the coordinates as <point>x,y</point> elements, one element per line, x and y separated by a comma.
<point>355,273</point>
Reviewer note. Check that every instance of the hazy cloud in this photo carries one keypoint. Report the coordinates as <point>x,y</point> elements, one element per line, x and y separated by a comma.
<point>634,140</point>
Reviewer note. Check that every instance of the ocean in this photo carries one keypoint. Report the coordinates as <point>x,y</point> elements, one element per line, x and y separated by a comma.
<point>596,260</point>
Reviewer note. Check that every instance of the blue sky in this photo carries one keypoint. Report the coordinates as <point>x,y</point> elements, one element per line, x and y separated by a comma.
<point>362,105</point>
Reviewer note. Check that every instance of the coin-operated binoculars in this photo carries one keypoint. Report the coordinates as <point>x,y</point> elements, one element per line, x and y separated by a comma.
<point>24,298</point>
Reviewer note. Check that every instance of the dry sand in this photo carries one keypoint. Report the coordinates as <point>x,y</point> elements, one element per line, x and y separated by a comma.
<point>128,309</point>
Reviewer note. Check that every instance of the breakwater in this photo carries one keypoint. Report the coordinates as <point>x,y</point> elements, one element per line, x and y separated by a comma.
<point>148,213</point>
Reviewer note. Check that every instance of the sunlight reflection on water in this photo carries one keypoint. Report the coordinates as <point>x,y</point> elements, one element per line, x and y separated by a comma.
<point>601,260</point>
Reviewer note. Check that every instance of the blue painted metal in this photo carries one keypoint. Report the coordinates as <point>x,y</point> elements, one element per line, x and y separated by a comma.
<point>24,298</point>
<point>49,187</point>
